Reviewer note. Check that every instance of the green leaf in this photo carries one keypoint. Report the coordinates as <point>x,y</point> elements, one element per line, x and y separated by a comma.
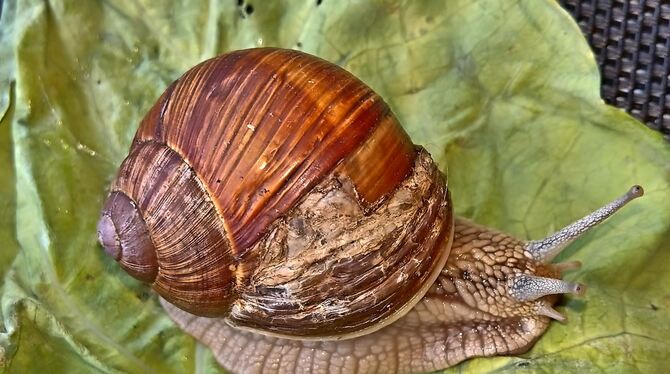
<point>503,92</point>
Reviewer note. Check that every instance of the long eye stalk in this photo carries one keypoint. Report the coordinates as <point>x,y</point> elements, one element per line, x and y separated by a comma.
<point>546,249</point>
<point>526,287</point>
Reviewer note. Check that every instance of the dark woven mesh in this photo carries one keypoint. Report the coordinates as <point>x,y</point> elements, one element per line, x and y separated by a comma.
<point>631,40</point>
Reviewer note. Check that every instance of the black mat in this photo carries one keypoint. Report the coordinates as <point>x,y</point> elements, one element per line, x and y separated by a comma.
<point>631,40</point>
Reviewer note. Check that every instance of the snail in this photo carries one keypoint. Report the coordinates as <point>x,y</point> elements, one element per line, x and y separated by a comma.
<point>287,221</point>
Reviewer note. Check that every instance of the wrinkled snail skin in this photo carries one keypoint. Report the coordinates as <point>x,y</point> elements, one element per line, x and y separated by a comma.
<point>288,222</point>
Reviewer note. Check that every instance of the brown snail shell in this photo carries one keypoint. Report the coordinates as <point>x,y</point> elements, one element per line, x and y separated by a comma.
<point>278,191</point>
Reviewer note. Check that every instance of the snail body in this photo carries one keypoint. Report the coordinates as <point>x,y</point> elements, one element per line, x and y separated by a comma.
<point>275,198</point>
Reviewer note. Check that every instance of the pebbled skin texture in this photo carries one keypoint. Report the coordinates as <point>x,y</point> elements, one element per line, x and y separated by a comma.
<point>466,313</point>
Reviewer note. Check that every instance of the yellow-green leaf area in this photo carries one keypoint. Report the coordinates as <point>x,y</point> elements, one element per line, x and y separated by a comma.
<point>504,94</point>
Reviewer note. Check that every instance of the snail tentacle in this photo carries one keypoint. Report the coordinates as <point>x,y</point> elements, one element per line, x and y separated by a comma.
<point>562,267</point>
<point>545,250</point>
<point>525,287</point>
<point>546,310</point>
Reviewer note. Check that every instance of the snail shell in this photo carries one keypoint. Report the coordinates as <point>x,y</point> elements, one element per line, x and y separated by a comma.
<point>276,190</point>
